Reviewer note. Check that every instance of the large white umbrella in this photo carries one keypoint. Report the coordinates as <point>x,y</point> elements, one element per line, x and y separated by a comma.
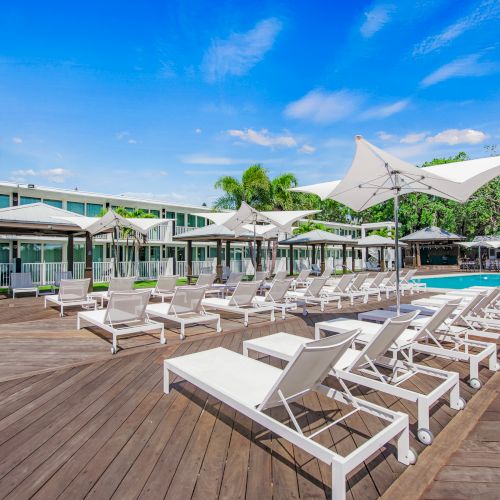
<point>274,220</point>
<point>376,176</point>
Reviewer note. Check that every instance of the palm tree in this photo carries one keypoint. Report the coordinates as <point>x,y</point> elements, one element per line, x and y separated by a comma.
<point>281,196</point>
<point>254,188</point>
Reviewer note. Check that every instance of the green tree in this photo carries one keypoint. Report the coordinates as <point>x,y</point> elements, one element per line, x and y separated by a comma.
<point>305,227</point>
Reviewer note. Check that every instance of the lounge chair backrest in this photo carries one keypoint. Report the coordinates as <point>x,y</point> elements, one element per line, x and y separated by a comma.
<point>471,308</point>
<point>127,307</point>
<point>344,283</point>
<point>491,299</point>
<point>315,287</point>
<point>303,275</point>
<point>327,272</point>
<point>21,280</point>
<point>437,319</point>
<point>70,290</point>
<point>166,284</point>
<point>391,281</point>
<point>244,293</point>
<point>62,275</point>
<point>260,276</point>
<point>383,339</point>
<point>278,290</point>
<point>121,284</point>
<point>280,275</point>
<point>410,274</point>
<point>358,280</point>
<point>206,279</point>
<point>234,278</point>
<point>307,369</point>
<point>187,299</point>
<point>378,279</point>
<point>226,273</point>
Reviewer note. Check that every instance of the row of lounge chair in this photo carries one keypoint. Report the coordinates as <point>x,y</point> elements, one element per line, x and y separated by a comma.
<point>380,357</point>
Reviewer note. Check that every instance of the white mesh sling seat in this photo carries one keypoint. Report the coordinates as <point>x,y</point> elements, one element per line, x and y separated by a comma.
<point>22,283</point>
<point>125,314</point>
<point>252,388</point>
<point>359,285</point>
<point>72,293</point>
<point>277,297</point>
<point>313,295</point>
<point>115,285</point>
<point>185,309</point>
<point>406,283</point>
<point>61,275</point>
<point>302,280</point>
<point>241,302</point>
<point>428,338</point>
<point>360,367</point>
<point>165,287</point>
<point>207,280</point>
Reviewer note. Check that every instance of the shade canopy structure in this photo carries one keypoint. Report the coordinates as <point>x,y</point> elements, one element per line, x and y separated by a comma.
<point>376,176</point>
<point>318,236</point>
<point>112,220</point>
<point>375,240</point>
<point>432,233</point>
<point>214,232</point>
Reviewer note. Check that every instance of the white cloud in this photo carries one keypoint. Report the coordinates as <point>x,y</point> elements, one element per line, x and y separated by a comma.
<point>17,140</point>
<point>455,136</point>
<point>384,136</point>
<point>264,138</point>
<point>126,136</point>
<point>385,110</point>
<point>132,141</point>
<point>376,19</point>
<point>307,149</point>
<point>240,52</point>
<point>324,107</point>
<point>486,10</point>
<point>204,159</point>
<point>466,66</point>
<point>198,130</point>
<point>58,175</point>
<point>413,138</point>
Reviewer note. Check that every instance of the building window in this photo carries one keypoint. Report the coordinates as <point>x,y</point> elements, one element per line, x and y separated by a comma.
<point>201,222</point>
<point>170,215</point>
<point>97,253</point>
<point>31,252</point>
<point>26,200</point>
<point>4,253</point>
<point>53,203</point>
<point>191,220</point>
<point>52,252</point>
<point>4,200</point>
<point>94,209</point>
<point>181,219</point>
<point>76,207</point>
<point>155,213</point>
<point>155,252</point>
<point>79,252</point>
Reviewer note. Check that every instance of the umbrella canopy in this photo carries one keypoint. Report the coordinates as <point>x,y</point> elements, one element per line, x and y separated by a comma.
<point>111,220</point>
<point>376,240</point>
<point>432,233</point>
<point>318,236</point>
<point>218,232</point>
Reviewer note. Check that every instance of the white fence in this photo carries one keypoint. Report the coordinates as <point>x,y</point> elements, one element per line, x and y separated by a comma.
<point>5,270</point>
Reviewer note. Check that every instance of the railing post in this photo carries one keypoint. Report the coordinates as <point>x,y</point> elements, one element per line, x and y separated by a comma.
<point>88,260</point>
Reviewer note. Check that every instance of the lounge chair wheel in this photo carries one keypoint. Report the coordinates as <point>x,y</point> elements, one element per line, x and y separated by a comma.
<point>475,383</point>
<point>412,456</point>
<point>425,436</point>
<point>163,341</point>
<point>113,350</point>
<point>245,323</point>
<point>461,403</point>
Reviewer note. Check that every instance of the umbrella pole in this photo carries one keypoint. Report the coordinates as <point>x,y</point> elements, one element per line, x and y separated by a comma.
<point>396,246</point>
<point>254,246</point>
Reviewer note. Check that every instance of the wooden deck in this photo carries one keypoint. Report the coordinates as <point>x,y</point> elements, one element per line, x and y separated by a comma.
<point>82,423</point>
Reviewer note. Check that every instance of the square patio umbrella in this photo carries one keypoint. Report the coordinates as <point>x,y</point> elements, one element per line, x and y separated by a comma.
<point>376,176</point>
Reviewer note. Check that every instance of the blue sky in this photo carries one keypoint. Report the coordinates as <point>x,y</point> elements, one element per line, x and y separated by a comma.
<point>159,99</point>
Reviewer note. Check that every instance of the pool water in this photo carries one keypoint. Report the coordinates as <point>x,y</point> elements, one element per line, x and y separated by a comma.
<point>462,281</point>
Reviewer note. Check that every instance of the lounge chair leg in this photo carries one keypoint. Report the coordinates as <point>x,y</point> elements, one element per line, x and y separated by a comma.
<point>162,335</point>
<point>273,318</point>
<point>245,322</point>
<point>219,328</point>
<point>403,445</point>
<point>338,483</point>
<point>183,336</point>
<point>166,381</point>
<point>114,347</point>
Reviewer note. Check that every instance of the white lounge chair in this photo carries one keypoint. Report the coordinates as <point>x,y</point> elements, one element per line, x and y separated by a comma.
<point>252,387</point>
<point>430,339</point>
<point>185,308</point>
<point>406,283</point>
<point>165,287</point>
<point>360,367</point>
<point>344,289</point>
<point>206,279</point>
<point>302,280</point>
<point>231,283</point>
<point>125,314</point>
<point>60,275</point>
<point>313,295</point>
<point>72,293</point>
<point>241,302</point>
<point>277,296</point>
<point>115,285</point>
<point>360,284</point>
<point>22,283</point>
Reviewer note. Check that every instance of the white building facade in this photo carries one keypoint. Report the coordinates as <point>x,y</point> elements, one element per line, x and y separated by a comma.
<point>39,253</point>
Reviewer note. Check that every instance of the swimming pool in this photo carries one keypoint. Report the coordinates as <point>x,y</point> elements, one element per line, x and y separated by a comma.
<point>462,281</point>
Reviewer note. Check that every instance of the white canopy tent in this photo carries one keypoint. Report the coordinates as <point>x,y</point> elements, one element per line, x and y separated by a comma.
<point>376,176</point>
